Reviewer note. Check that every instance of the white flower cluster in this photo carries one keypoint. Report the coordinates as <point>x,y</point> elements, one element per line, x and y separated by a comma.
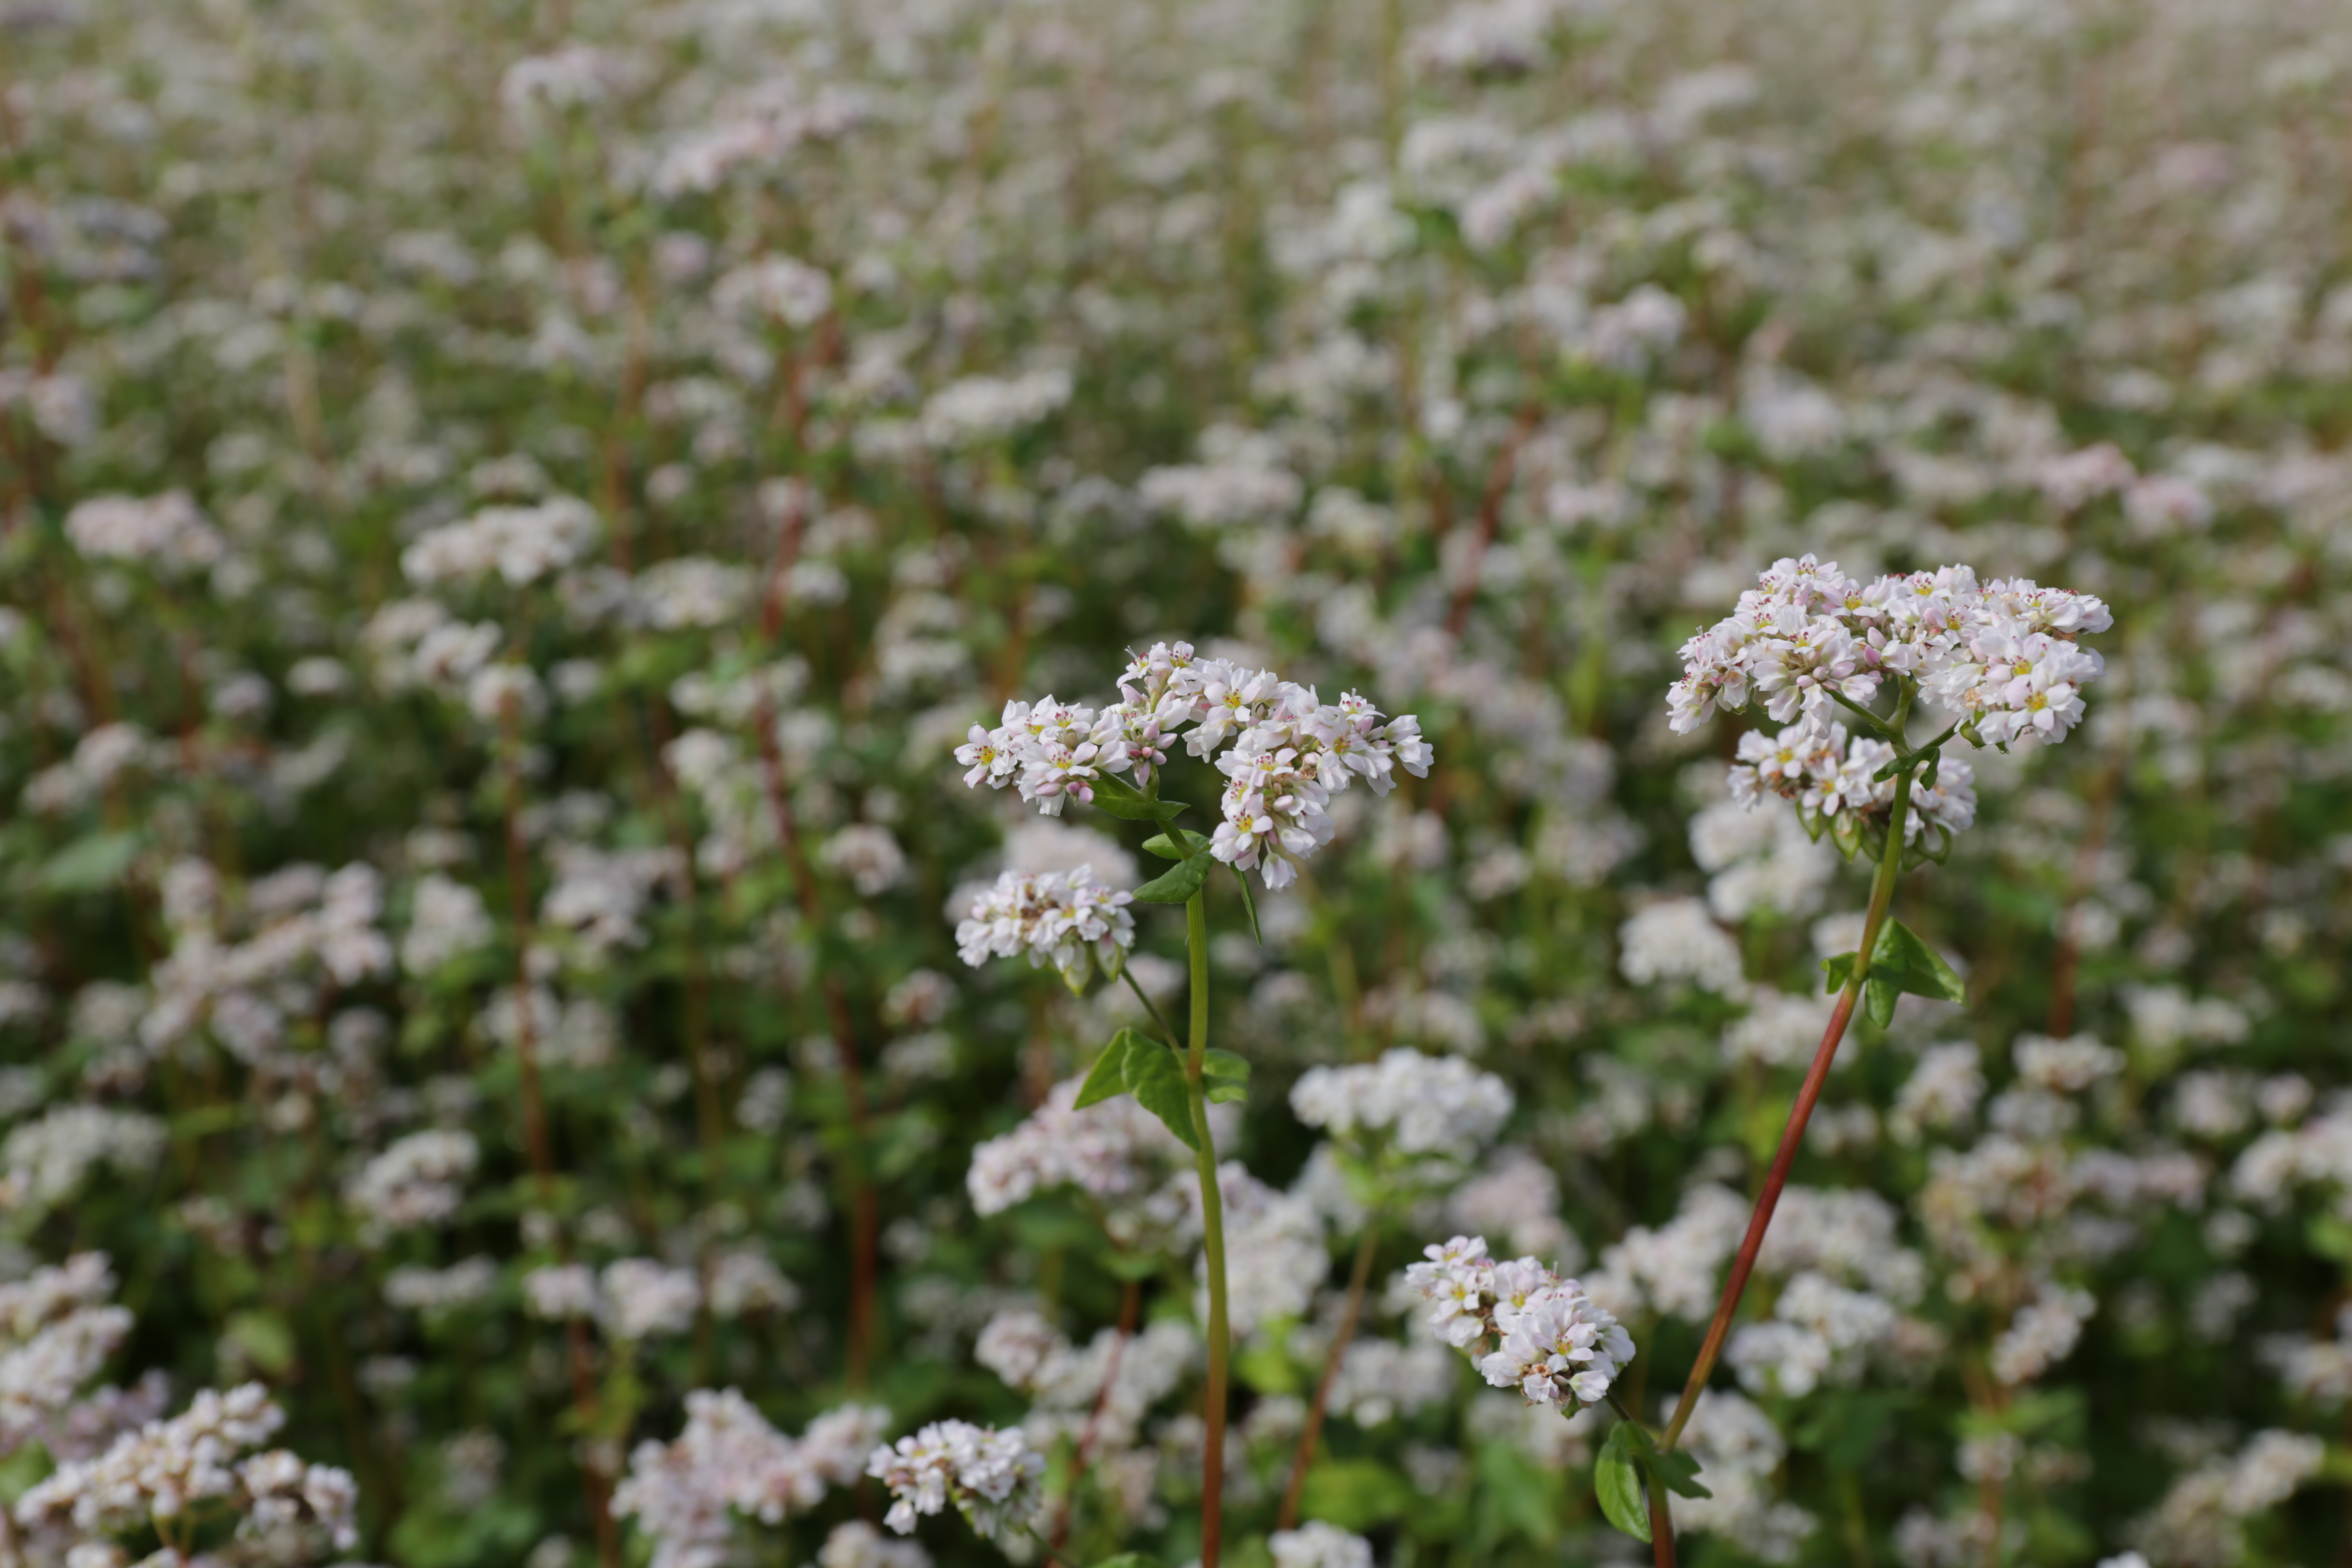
<point>990,1476</point>
<point>1111,1151</point>
<point>1414,1104</point>
<point>46,1159</point>
<point>166,1468</point>
<point>2000,655</point>
<point>519,543</point>
<point>2202,1519</point>
<point>1070,920</point>
<point>1291,751</point>
<point>729,1460</point>
<point>58,1330</point>
<point>169,529</point>
<point>633,1299</point>
<point>1316,1544</point>
<point>1553,1343</point>
<point>1105,1387</point>
<point>418,1180</point>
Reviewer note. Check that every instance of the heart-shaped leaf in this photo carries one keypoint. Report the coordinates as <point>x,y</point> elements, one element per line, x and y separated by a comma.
<point>1177,883</point>
<point>1176,844</point>
<point>1225,1076</point>
<point>1108,1077</point>
<point>1157,1080</point>
<point>1617,1482</point>
<point>1122,799</point>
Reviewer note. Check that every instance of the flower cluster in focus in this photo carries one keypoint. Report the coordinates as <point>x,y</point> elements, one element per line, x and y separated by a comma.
<point>1550,1340</point>
<point>1290,750</point>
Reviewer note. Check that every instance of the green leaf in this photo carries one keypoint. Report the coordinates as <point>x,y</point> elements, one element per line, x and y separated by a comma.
<point>1122,799</point>
<point>1839,970</point>
<point>1129,1264</point>
<point>90,863</point>
<point>265,1339</point>
<point>1177,883</point>
<point>1617,1481</point>
<point>1356,1494</point>
<point>1249,902</point>
<point>1679,1472</point>
<point>1157,1081</point>
<point>1164,845</point>
<point>1514,1497</point>
<point>1925,972</point>
<point>1107,1079</point>
<point>1879,995</point>
<point>1126,1560</point>
<point>1899,963</point>
<point>1265,1368</point>
<point>1226,1076</point>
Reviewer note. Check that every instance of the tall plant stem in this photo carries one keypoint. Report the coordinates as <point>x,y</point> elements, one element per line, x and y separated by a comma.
<point>1360,1277</point>
<point>536,1142</point>
<point>1213,1238</point>
<point>1882,897</point>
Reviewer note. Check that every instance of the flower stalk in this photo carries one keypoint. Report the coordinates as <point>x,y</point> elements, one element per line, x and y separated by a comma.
<point>1213,1238</point>
<point>1793,1136</point>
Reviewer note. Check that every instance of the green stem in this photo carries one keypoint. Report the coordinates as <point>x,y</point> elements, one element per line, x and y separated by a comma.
<point>1213,1238</point>
<point>1885,730</point>
<point>1165,1029</point>
<point>1882,897</point>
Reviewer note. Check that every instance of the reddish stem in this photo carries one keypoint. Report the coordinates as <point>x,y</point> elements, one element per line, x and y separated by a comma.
<point>1360,1278</point>
<point>1882,896</point>
<point>1130,1307</point>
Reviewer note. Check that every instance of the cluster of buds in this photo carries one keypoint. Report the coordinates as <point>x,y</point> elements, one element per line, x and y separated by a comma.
<point>1548,1339</point>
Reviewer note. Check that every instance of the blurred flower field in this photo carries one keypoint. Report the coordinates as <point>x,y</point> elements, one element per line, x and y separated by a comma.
<point>526,1038</point>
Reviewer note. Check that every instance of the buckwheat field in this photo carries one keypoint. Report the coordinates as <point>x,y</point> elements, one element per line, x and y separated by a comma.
<point>1270,783</point>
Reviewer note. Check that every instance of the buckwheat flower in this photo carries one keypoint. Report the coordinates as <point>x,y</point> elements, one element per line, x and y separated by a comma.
<point>419,1180</point>
<point>2041,1334</point>
<point>858,1544</point>
<point>560,1290</point>
<point>1284,751</point>
<point>1416,1104</point>
<point>1115,1152</point>
<point>730,1462</point>
<point>990,1477</point>
<point>1553,1343</point>
<point>169,531</point>
<point>2002,656</point>
<point>57,1330</point>
<point>1678,939</point>
<point>167,1468</point>
<point>1070,920</point>
<point>447,920</point>
<point>1316,1544</point>
<point>1558,1348</point>
<point>641,1299</point>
